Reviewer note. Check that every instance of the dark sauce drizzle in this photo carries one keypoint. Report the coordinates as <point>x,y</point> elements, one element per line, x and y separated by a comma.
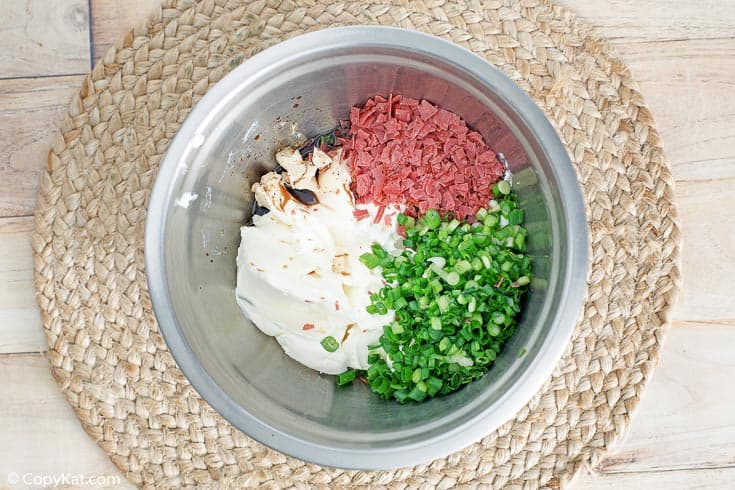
<point>304,196</point>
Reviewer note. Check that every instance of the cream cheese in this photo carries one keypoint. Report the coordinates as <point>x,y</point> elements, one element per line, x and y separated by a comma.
<point>299,278</point>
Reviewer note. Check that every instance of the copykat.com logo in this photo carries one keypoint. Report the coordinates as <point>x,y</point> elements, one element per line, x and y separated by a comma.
<point>35,480</point>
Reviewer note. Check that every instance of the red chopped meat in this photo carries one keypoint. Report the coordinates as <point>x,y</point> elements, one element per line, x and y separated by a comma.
<point>406,151</point>
<point>360,214</point>
<point>379,214</point>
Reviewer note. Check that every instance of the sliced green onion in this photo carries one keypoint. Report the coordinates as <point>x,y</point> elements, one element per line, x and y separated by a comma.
<point>400,303</point>
<point>491,221</point>
<point>515,217</point>
<point>444,344</point>
<point>443,303</point>
<point>452,278</point>
<point>433,385</point>
<point>369,260</point>
<point>440,262</point>
<point>347,377</point>
<point>472,306</point>
<point>462,266</point>
<point>329,343</point>
<point>432,219</point>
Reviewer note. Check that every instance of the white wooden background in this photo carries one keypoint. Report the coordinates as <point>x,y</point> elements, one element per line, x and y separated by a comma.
<point>681,51</point>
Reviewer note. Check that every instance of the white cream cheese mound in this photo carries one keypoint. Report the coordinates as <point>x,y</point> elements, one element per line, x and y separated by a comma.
<point>299,277</point>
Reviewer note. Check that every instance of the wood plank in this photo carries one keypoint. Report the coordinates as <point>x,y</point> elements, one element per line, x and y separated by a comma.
<point>112,19</point>
<point>20,321</point>
<point>31,111</point>
<point>629,21</point>
<point>708,250</point>
<point>694,479</point>
<point>42,38</point>
<point>40,434</point>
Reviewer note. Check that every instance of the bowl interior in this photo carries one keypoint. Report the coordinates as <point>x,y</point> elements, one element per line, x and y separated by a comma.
<point>229,143</point>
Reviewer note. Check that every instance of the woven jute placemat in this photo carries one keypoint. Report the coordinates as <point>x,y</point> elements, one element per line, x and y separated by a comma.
<point>104,346</point>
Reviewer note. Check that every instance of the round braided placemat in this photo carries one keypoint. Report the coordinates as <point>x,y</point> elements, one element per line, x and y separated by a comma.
<point>104,347</point>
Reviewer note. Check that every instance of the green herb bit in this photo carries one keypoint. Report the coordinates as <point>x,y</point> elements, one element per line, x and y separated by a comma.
<point>329,343</point>
<point>369,260</point>
<point>432,219</point>
<point>347,377</point>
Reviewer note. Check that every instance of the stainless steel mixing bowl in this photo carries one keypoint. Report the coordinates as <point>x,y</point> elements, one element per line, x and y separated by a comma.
<point>201,198</point>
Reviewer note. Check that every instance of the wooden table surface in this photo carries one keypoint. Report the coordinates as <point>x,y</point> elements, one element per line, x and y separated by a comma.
<point>681,51</point>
